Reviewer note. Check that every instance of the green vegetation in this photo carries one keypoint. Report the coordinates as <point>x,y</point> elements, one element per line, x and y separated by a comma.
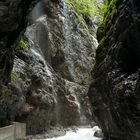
<point>23,44</point>
<point>87,9</point>
<point>105,29</point>
<point>92,9</point>
<point>83,7</point>
<point>15,77</point>
<point>110,10</point>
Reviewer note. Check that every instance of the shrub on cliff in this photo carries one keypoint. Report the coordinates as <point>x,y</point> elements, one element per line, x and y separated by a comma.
<point>88,8</point>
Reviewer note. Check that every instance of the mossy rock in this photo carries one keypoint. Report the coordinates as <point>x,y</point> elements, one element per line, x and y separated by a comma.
<point>23,44</point>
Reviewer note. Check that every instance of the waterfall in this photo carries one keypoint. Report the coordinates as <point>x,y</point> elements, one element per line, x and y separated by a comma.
<point>37,54</point>
<point>67,93</point>
<point>68,33</point>
<point>48,65</point>
<point>38,11</point>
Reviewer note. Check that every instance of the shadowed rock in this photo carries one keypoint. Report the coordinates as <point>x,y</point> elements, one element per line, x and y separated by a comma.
<point>114,92</point>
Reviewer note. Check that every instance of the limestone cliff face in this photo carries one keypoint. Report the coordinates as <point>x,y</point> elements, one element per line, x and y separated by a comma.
<point>46,65</point>
<point>114,92</point>
<point>12,21</point>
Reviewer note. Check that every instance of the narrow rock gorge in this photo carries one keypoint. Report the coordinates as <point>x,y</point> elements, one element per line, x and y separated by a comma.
<point>55,74</point>
<point>114,91</point>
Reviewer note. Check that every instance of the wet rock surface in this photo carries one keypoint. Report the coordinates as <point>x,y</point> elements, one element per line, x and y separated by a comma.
<point>48,67</point>
<point>12,21</point>
<point>114,92</point>
<point>98,134</point>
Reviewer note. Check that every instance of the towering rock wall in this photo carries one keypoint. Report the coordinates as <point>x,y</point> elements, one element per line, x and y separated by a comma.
<point>12,21</point>
<point>115,89</point>
<point>47,67</point>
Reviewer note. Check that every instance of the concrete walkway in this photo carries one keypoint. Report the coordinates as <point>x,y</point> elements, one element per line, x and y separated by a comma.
<point>13,132</point>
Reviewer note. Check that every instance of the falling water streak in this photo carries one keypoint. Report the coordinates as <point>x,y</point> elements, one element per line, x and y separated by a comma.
<point>43,60</point>
<point>36,16</point>
<point>58,112</point>
<point>38,11</point>
<point>68,34</point>
<point>83,119</point>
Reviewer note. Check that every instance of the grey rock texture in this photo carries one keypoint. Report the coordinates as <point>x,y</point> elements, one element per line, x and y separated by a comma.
<point>114,92</point>
<point>50,69</point>
<point>12,21</point>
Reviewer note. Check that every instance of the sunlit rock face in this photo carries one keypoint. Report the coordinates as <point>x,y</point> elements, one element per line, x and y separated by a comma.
<point>114,92</point>
<point>51,69</point>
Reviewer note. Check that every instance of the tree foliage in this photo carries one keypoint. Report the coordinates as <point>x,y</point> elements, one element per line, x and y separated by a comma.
<point>88,8</point>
